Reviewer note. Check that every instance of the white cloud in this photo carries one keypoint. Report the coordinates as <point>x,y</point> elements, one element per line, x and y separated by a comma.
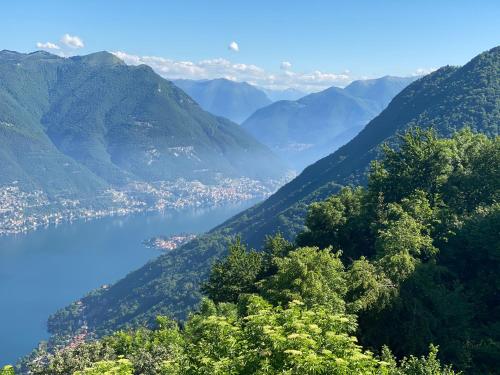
<point>423,71</point>
<point>72,41</point>
<point>233,46</point>
<point>253,74</point>
<point>286,65</point>
<point>47,45</point>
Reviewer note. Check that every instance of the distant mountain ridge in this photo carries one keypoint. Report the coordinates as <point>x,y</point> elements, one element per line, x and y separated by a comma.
<point>74,126</point>
<point>285,94</point>
<point>379,90</point>
<point>448,99</point>
<point>310,128</point>
<point>222,97</point>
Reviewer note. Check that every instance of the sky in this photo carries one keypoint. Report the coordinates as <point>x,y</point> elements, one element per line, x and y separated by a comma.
<point>307,45</point>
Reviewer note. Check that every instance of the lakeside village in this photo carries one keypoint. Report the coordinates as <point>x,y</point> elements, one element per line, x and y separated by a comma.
<point>22,211</point>
<point>169,243</point>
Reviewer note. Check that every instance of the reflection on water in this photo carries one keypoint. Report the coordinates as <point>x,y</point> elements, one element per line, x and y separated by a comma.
<point>46,269</point>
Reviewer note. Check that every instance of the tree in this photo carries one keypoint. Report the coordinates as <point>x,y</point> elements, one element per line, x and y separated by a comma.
<point>421,162</point>
<point>234,275</point>
<point>7,370</point>
<point>341,222</point>
<point>309,275</point>
<point>117,367</point>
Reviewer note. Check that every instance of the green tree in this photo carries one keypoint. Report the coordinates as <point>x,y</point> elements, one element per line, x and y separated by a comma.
<point>425,365</point>
<point>421,162</point>
<point>117,367</point>
<point>234,275</point>
<point>341,222</point>
<point>310,275</point>
<point>7,370</point>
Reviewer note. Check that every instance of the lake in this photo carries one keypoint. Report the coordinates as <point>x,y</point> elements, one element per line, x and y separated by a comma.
<point>45,270</point>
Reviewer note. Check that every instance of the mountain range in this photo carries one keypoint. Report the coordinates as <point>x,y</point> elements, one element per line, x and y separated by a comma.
<point>75,126</point>
<point>447,100</point>
<point>312,127</point>
<point>285,94</point>
<point>222,97</point>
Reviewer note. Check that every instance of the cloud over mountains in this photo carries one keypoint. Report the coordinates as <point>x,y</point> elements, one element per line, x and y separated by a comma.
<point>72,41</point>
<point>253,74</point>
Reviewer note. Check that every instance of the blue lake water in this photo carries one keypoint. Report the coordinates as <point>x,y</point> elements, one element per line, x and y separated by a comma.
<point>45,270</point>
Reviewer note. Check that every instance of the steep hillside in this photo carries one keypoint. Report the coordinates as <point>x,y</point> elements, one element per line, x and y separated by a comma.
<point>436,281</point>
<point>79,124</point>
<point>312,127</point>
<point>27,155</point>
<point>222,97</point>
<point>127,122</point>
<point>447,100</point>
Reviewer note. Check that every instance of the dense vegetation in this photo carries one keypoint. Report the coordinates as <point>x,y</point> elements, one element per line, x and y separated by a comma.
<point>449,99</point>
<point>423,243</point>
<point>409,261</point>
<point>314,126</point>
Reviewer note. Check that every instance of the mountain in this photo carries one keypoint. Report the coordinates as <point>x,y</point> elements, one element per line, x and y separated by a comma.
<point>81,124</point>
<point>286,94</point>
<point>310,128</point>
<point>448,99</point>
<point>28,157</point>
<point>222,97</point>
<point>380,90</point>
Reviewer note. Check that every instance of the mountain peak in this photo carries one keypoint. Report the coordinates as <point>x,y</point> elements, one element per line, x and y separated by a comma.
<point>224,97</point>
<point>9,52</point>
<point>102,58</point>
<point>19,56</point>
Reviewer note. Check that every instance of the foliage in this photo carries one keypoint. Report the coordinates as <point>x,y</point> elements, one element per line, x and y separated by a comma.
<point>429,365</point>
<point>419,255</point>
<point>234,275</point>
<point>310,275</point>
<point>7,370</point>
<point>430,233</point>
<point>447,100</point>
<point>118,367</point>
<point>222,339</point>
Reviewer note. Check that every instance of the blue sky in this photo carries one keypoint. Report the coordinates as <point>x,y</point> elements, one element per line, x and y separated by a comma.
<point>323,42</point>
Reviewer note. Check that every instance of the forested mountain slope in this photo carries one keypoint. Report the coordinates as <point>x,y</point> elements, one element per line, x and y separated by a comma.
<point>27,155</point>
<point>447,100</point>
<point>417,247</point>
